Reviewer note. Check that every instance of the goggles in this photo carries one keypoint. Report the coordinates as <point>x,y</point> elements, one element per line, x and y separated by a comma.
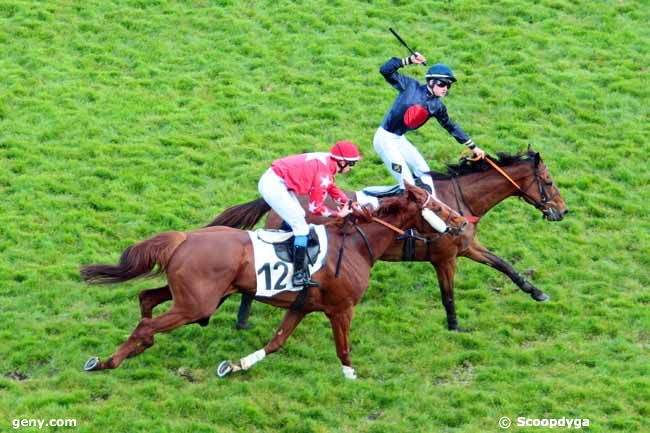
<point>442,83</point>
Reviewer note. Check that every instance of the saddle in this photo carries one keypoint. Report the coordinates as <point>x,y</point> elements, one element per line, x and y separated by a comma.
<point>389,191</point>
<point>283,244</point>
<point>382,191</point>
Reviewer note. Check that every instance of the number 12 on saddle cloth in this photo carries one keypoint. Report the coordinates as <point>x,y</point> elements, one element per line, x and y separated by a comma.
<point>274,273</point>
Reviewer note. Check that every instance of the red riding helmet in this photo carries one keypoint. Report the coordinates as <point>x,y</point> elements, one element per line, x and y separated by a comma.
<point>345,151</point>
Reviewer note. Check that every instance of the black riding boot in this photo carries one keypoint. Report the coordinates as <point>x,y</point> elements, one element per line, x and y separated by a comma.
<point>424,186</point>
<point>301,275</point>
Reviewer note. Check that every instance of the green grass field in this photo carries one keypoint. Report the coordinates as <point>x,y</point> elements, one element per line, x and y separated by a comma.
<point>119,120</point>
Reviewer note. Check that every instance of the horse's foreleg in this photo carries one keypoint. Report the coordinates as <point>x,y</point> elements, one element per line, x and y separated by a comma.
<point>446,271</point>
<point>150,298</point>
<point>480,254</point>
<point>286,328</point>
<point>289,323</point>
<point>142,336</point>
<point>340,322</point>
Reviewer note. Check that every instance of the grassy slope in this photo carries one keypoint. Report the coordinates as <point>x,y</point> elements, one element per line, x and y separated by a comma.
<point>120,120</point>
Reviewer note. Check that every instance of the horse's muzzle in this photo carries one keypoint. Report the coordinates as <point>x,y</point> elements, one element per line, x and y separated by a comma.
<point>455,231</point>
<point>553,214</point>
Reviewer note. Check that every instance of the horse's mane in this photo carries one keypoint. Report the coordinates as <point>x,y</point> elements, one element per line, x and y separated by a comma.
<point>467,167</point>
<point>389,206</point>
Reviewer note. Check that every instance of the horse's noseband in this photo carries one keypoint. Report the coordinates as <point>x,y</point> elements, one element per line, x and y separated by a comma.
<point>542,204</point>
<point>455,231</point>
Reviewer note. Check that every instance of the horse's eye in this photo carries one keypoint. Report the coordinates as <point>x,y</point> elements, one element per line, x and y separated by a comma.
<point>549,183</point>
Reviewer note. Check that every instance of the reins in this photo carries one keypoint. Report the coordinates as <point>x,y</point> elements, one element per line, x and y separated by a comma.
<point>497,168</point>
<point>348,219</point>
<point>386,224</point>
<point>472,217</point>
<point>397,230</point>
<point>341,247</point>
<point>522,192</point>
<point>504,174</point>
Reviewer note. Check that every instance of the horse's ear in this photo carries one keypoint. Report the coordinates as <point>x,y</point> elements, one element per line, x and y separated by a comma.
<point>415,193</point>
<point>409,187</point>
<point>534,154</point>
<point>363,213</point>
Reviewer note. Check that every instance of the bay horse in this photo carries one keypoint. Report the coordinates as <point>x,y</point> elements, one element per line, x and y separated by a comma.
<point>472,189</point>
<point>205,266</point>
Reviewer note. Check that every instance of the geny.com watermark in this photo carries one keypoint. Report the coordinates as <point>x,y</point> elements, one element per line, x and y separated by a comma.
<point>522,421</point>
<point>40,423</point>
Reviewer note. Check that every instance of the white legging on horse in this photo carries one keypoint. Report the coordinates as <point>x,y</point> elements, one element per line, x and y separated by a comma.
<point>400,156</point>
<point>284,202</point>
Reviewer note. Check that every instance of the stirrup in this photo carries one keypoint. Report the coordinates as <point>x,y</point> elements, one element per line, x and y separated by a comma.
<point>303,280</point>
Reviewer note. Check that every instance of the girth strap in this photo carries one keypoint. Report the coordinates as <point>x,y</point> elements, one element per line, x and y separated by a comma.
<point>471,218</point>
<point>300,300</point>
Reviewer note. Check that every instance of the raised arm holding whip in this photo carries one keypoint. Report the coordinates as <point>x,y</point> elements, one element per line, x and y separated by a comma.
<point>415,104</point>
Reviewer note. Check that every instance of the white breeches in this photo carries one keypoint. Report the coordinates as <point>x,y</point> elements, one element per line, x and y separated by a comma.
<point>400,156</point>
<point>274,191</point>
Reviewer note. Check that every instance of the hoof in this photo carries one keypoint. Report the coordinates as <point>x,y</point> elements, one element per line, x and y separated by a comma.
<point>349,373</point>
<point>243,326</point>
<point>92,364</point>
<point>541,297</point>
<point>224,369</point>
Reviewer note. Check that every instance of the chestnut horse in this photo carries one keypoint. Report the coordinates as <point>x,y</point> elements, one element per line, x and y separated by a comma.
<point>205,266</point>
<point>472,189</point>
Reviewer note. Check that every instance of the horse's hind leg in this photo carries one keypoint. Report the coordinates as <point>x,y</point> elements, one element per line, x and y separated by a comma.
<point>150,298</point>
<point>142,336</point>
<point>191,304</point>
<point>286,328</point>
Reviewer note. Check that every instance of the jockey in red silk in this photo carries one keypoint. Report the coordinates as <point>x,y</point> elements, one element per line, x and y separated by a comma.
<point>415,104</point>
<point>310,174</point>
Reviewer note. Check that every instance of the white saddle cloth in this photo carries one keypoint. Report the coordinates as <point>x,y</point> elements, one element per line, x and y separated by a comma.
<point>274,274</point>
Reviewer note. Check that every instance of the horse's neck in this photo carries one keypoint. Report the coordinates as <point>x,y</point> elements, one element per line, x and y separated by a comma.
<point>482,191</point>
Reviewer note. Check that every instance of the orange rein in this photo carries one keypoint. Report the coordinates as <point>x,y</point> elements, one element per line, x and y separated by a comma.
<point>389,225</point>
<point>392,227</point>
<point>497,168</point>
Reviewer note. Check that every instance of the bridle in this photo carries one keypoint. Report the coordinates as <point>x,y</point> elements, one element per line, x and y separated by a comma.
<point>522,192</point>
<point>544,197</point>
<point>403,234</point>
<point>422,209</point>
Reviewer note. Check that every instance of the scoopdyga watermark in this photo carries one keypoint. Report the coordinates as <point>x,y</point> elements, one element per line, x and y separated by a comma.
<point>564,422</point>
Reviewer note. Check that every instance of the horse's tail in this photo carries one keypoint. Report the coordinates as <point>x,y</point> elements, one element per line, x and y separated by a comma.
<point>242,216</point>
<point>138,260</point>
